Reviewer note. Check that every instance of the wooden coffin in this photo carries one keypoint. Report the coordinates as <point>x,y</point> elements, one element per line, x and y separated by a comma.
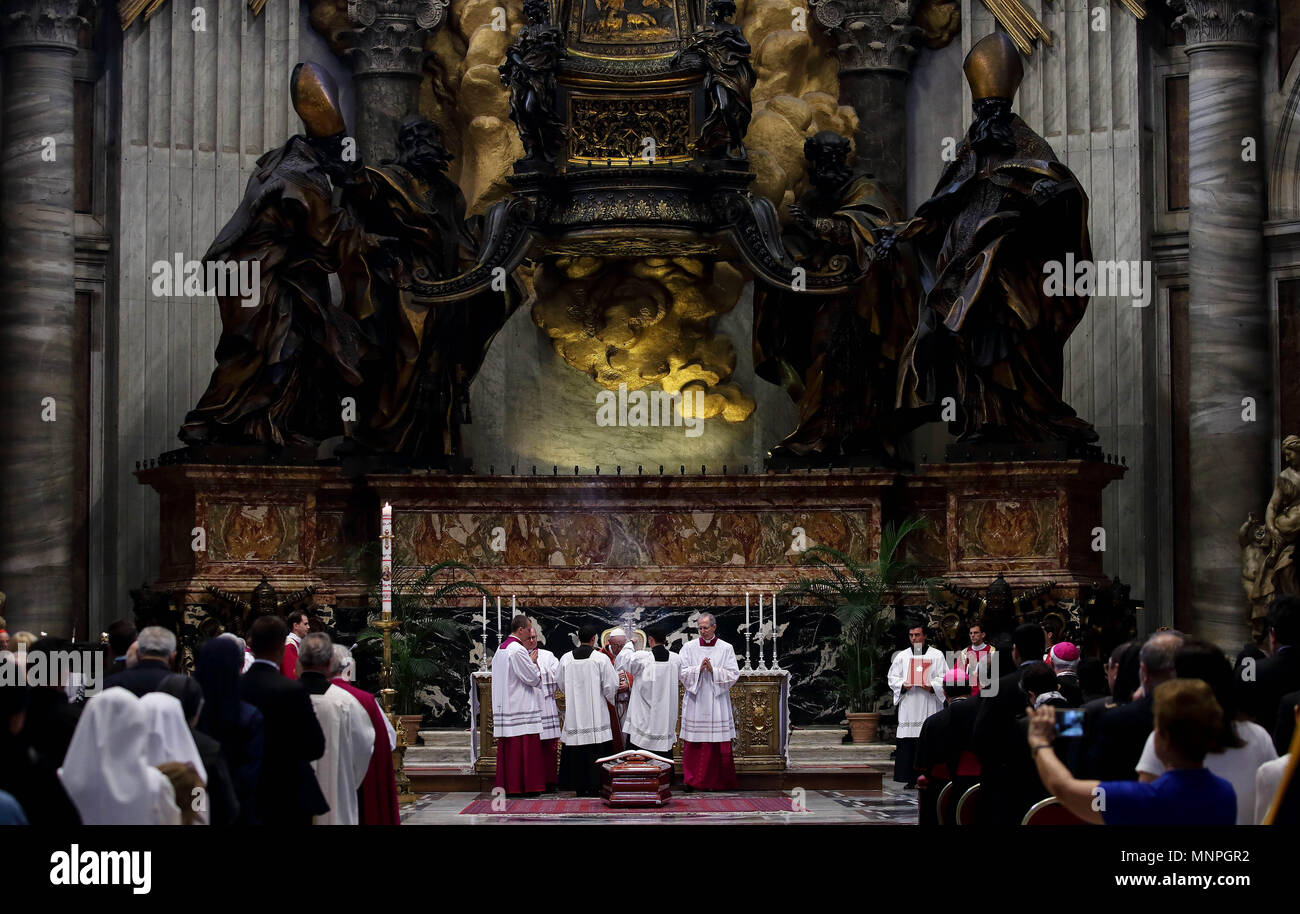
<point>635,778</point>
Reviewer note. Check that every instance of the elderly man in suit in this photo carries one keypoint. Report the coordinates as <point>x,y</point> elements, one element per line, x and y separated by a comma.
<point>156,648</point>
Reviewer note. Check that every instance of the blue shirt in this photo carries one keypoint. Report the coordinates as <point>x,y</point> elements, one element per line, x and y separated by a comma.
<point>10,812</point>
<point>1194,796</point>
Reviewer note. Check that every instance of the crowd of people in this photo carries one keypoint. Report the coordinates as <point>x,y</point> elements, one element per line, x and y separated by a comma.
<point>265,731</point>
<point>1168,731</point>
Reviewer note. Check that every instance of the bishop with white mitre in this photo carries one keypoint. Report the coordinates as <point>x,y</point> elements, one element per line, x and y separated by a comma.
<point>517,713</point>
<point>708,725</point>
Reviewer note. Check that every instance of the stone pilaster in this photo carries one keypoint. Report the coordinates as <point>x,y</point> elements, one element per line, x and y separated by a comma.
<point>1228,322</point>
<point>386,46</point>
<point>38,513</point>
<point>875,42</point>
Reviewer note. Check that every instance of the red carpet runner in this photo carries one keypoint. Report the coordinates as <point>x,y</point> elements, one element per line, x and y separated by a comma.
<point>585,805</point>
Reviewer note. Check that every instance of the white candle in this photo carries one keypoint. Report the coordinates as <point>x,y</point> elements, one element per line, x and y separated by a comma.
<point>749,634</point>
<point>760,630</point>
<point>512,605</point>
<point>498,620</point>
<point>386,560</point>
<point>775,634</point>
<point>485,627</point>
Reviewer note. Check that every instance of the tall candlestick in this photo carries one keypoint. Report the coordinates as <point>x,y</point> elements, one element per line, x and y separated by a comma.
<point>761,664</point>
<point>386,560</point>
<point>775,634</point>
<point>513,611</point>
<point>749,634</point>
<point>485,631</point>
<point>498,622</point>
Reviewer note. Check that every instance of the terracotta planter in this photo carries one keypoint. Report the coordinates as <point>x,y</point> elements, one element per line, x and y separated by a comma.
<point>411,724</point>
<point>863,727</point>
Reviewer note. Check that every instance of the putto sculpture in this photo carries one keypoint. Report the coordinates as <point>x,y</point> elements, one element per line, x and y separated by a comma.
<point>1268,564</point>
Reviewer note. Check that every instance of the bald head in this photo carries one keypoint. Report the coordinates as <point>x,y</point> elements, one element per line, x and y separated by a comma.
<point>1157,659</point>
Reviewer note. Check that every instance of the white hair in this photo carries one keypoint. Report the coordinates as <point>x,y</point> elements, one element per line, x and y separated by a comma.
<point>243,646</point>
<point>340,660</point>
<point>712,618</point>
<point>317,650</point>
<point>155,641</point>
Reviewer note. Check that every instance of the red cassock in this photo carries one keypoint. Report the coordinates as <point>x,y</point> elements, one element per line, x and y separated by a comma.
<point>708,766</point>
<point>378,792</point>
<point>289,665</point>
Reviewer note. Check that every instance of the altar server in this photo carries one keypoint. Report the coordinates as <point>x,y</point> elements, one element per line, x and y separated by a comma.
<point>652,710</point>
<point>549,666</point>
<point>708,670</point>
<point>916,678</point>
<point>349,735</point>
<point>589,683</point>
<point>299,626</point>
<point>977,660</point>
<point>517,713</point>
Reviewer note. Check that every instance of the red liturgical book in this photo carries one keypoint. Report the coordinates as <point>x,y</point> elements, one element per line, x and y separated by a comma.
<point>918,672</point>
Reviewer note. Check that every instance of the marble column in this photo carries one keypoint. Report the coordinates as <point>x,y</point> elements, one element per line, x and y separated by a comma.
<point>38,407</point>
<point>1228,323</point>
<point>386,46</point>
<point>875,42</point>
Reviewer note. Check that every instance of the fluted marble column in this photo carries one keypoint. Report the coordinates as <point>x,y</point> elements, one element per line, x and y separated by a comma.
<point>876,42</point>
<point>38,520</point>
<point>1228,324</point>
<point>386,48</point>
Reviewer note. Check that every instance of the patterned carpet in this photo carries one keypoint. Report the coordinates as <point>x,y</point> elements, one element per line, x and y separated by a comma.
<point>683,804</point>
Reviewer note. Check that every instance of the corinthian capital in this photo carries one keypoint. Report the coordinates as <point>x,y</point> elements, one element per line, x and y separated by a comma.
<point>1207,21</point>
<point>388,36</point>
<point>53,23</point>
<point>872,34</point>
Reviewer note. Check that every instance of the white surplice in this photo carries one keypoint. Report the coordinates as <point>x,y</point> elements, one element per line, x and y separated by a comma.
<point>516,710</point>
<point>588,686</point>
<point>706,708</point>
<point>349,740</point>
<point>652,711</point>
<point>916,704</point>
<point>549,666</point>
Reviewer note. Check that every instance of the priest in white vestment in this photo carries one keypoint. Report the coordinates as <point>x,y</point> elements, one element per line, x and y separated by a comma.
<point>349,734</point>
<point>620,651</point>
<point>916,679</point>
<point>517,713</point>
<point>708,670</point>
<point>652,709</point>
<point>589,683</point>
<point>549,667</point>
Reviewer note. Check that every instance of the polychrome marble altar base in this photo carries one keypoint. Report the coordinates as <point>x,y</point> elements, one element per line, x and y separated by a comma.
<point>672,541</point>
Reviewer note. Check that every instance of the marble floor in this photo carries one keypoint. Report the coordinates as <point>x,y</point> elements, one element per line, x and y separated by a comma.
<point>891,806</point>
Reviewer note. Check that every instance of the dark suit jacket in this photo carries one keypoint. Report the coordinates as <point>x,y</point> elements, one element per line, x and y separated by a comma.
<point>223,804</point>
<point>142,679</point>
<point>1284,728</point>
<point>1274,677</point>
<point>287,792</point>
<point>994,739</point>
<point>1121,735</point>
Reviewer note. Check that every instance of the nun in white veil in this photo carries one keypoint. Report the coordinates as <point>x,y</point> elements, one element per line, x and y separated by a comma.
<point>170,740</point>
<point>105,772</point>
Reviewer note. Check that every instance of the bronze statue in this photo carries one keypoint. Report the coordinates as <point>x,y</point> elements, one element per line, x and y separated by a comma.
<point>838,355</point>
<point>417,391</point>
<point>989,335</point>
<point>529,74</point>
<point>729,78</point>
<point>1268,549</point>
<point>285,363</point>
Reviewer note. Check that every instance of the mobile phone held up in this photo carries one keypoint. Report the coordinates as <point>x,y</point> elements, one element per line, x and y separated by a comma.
<point>1069,722</point>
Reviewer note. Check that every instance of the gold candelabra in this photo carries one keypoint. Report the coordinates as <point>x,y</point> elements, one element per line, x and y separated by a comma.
<point>387,625</point>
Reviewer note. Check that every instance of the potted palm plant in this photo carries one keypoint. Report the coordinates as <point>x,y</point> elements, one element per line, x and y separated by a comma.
<point>429,643</point>
<point>862,597</point>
